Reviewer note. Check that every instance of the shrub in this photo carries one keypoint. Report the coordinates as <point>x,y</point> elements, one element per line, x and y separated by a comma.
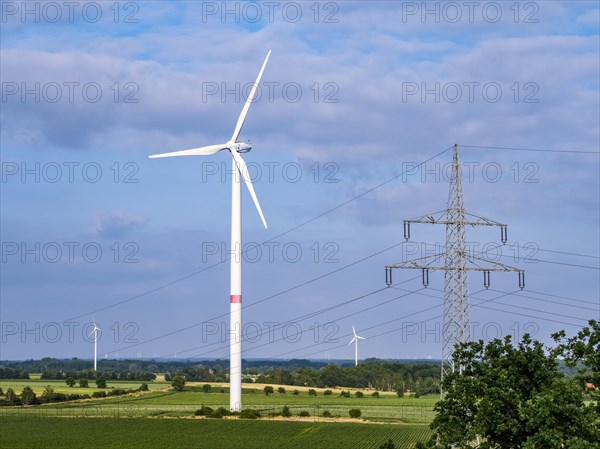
<point>295,392</point>
<point>326,414</point>
<point>312,392</point>
<point>327,393</point>
<point>281,390</point>
<point>74,396</point>
<point>99,394</point>
<point>204,411</point>
<point>400,392</point>
<point>219,413</point>
<point>70,381</point>
<point>83,383</point>
<point>344,394</point>
<point>249,413</point>
<point>375,394</point>
<point>101,382</point>
<point>354,413</point>
<point>389,444</point>
<point>268,390</point>
<point>303,413</point>
<point>206,388</point>
<point>285,412</point>
<point>359,394</point>
<point>178,383</point>
<point>143,387</point>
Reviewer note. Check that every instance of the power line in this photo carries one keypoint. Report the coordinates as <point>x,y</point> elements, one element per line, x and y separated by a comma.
<point>529,149</point>
<point>273,239</point>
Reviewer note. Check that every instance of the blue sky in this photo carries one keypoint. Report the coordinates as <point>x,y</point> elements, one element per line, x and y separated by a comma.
<point>355,94</point>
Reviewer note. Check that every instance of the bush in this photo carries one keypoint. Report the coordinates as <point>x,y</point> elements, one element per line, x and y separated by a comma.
<point>143,387</point>
<point>74,396</point>
<point>285,412</point>
<point>375,394</point>
<point>219,413</point>
<point>83,383</point>
<point>281,390</point>
<point>344,394</point>
<point>389,444</point>
<point>178,383</point>
<point>354,413</point>
<point>70,381</point>
<point>204,411</point>
<point>400,392</point>
<point>295,392</point>
<point>327,393</point>
<point>99,394</point>
<point>312,392</point>
<point>359,394</point>
<point>249,413</point>
<point>206,388</point>
<point>101,382</point>
<point>303,413</point>
<point>326,414</point>
<point>268,390</point>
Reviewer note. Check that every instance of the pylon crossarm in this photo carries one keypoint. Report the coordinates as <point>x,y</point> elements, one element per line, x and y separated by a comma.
<point>440,217</point>
<point>415,263</point>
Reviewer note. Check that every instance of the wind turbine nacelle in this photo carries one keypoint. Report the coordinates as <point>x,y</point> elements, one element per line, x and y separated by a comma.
<point>242,147</point>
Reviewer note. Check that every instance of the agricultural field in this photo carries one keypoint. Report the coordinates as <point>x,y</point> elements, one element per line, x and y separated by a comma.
<point>162,417</point>
<point>97,433</point>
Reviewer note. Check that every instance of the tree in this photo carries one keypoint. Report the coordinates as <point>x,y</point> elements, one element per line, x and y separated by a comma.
<point>27,396</point>
<point>281,390</point>
<point>354,413</point>
<point>268,390</point>
<point>11,396</point>
<point>101,382</point>
<point>285,412</point>
<point>70,382</point>
<point>312,392</point>
<point>83,383</point>
<point>511,397</point>
<point>48,394</point>
<point>206,388</point>
<point>178,383</point>
<point>359,394</point>
<point>583,349</point>
<point>144,387</point>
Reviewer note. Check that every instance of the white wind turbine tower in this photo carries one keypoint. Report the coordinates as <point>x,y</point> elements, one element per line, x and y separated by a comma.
<point>355,341</point>
<point>235,298</point>
<point>95,332</point>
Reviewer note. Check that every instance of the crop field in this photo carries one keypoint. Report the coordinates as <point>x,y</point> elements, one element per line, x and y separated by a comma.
<point>91,433</point>
<point>162,417</point>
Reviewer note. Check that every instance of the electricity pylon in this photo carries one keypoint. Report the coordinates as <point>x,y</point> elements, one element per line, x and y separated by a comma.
<point>457,263</point>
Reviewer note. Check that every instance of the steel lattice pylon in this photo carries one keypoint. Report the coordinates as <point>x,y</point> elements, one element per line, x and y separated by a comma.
<point>457,263</point>
<point>455,328</point>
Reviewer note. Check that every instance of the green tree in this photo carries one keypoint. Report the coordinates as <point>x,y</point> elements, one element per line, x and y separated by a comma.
<point>285,412</point>
<point>354,413</point>
<point>144,387</point>
<point>312,392</point>
<point>83,383</point>
<point>281,390</point>
<point>206,388</point>
<point>268,390</point>
<point>70,382</point>
<point>178,383</point>
<point>511,397</point>
<point>47,394</point>
<point>11,396</point>
<point>27,395</point>
<point>101,382</point>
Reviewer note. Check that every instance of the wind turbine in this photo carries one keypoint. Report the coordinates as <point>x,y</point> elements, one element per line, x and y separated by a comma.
<point>235,297</point>
<point>95,332</point>
<point>355,341</point>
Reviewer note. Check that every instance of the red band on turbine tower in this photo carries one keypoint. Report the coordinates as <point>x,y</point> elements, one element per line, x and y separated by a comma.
<point>235,299</point>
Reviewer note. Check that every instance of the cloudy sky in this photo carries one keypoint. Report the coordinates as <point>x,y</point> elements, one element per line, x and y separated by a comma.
<point>352,130</point>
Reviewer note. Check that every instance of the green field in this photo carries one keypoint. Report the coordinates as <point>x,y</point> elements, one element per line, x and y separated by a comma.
<point>59,433</point>
<point>165,418</point>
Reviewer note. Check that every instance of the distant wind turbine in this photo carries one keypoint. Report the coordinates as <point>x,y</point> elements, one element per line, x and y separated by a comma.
<point>355,341</point>
<point>235,297</point>
<point>95,332</point>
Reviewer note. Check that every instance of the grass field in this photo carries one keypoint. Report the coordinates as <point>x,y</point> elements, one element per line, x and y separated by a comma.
<point>143,419</point>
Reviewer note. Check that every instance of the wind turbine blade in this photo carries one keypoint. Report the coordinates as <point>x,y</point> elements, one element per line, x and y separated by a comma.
<point>360,338</point>
<point>242,117</point>
<point>351,341</point>
<point>202,151</point>
<point>353,330</point>
<point>241,166</point>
